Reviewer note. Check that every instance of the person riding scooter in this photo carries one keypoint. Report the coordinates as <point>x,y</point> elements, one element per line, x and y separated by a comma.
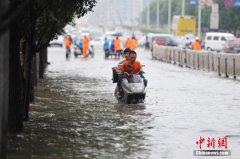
<point>132,67</point>
<point>126,53</point>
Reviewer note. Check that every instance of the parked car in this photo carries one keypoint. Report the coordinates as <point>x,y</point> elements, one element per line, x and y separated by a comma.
<point>215,41</point>
<point>179,42</point>
<point>163,40</point>
<point>232,46</point>
<point>59,41</point>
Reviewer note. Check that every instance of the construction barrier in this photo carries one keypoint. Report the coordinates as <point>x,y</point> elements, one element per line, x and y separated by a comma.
<point>222,63</point>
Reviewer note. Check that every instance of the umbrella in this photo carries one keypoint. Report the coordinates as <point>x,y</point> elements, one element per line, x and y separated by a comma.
<point>189,36</point>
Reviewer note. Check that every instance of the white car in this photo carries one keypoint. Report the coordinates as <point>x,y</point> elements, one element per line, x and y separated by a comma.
<point>59,41</point>
<point>215,41</point>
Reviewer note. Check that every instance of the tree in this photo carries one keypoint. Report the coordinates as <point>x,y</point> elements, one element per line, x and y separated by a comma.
<point>38,22</point>
<point>43,21</point>
<point>229,19</point>
<point>4,79</point>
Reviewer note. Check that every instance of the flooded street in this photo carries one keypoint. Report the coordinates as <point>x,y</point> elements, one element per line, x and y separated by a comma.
<point>75,114</point>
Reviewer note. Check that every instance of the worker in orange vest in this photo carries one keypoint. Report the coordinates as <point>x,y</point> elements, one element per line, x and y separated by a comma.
<point>133,43</point>
<point>117,48</point>
<point>128,43</point>
<point>68,45</point>
<point>85,43</point>
<point>196,45</point>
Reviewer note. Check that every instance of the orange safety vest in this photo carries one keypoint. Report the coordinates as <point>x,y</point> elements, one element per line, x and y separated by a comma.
<point>68,42</point>
<point>133,44</point>
<point>128,43</point>
<point>85,42</point>
<point>196,46</point>
<point>117,45</point>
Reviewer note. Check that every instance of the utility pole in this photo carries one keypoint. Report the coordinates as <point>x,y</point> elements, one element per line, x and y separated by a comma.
<point>157,20</point>
<point>109,13</point>
<point>4,81</point>
<point>148,14</point>
<point>169,15</point>
<point>199,20</point>
<point>141,17</point>
<point>183,7</point>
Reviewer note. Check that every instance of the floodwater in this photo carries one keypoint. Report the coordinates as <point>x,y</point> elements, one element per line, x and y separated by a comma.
<point>75,114</point>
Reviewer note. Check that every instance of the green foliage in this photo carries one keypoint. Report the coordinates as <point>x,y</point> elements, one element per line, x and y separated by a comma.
<point>56,14</point>
<point>41,20</point>
<point>151,30</point>
<point>229,18</point>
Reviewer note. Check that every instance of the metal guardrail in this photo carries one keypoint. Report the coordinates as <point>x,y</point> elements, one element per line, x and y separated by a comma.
<point>224,64</point>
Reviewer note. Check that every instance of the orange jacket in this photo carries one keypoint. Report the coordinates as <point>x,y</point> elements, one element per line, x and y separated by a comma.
<point>133,44</point>
<point>67,42</point>
<point>128,43</point>
<point>117,45</point>
<point>133,69</point>
<point>196,46</point>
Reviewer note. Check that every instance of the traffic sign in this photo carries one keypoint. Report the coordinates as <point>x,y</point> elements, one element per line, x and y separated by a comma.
<point>205,3</point>
<point>228,3</point>
<point>202,3</point>
<point>193,2</point>
<point>209,3</point>
<point>215,8</point>
<point>214,20</point>
<point>237,3</point>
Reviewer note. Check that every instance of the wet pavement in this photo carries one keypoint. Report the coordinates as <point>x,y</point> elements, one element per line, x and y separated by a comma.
<point>75,114</point>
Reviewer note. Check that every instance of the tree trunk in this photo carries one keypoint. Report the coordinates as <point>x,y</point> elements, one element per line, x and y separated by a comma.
<point>4,82</point>
<point>15,116</point>
<point>28,77</point>
<point>30,51</point>
<point>34,69</point>
<point>4,89</point>
<point>42,62</point>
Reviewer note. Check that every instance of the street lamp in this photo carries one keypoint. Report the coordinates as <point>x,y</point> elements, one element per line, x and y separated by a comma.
<point>169,15</point>
<point>148,14</point>
<point>157,20</point>
<point>199,19</point>
<point>183,7</point>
